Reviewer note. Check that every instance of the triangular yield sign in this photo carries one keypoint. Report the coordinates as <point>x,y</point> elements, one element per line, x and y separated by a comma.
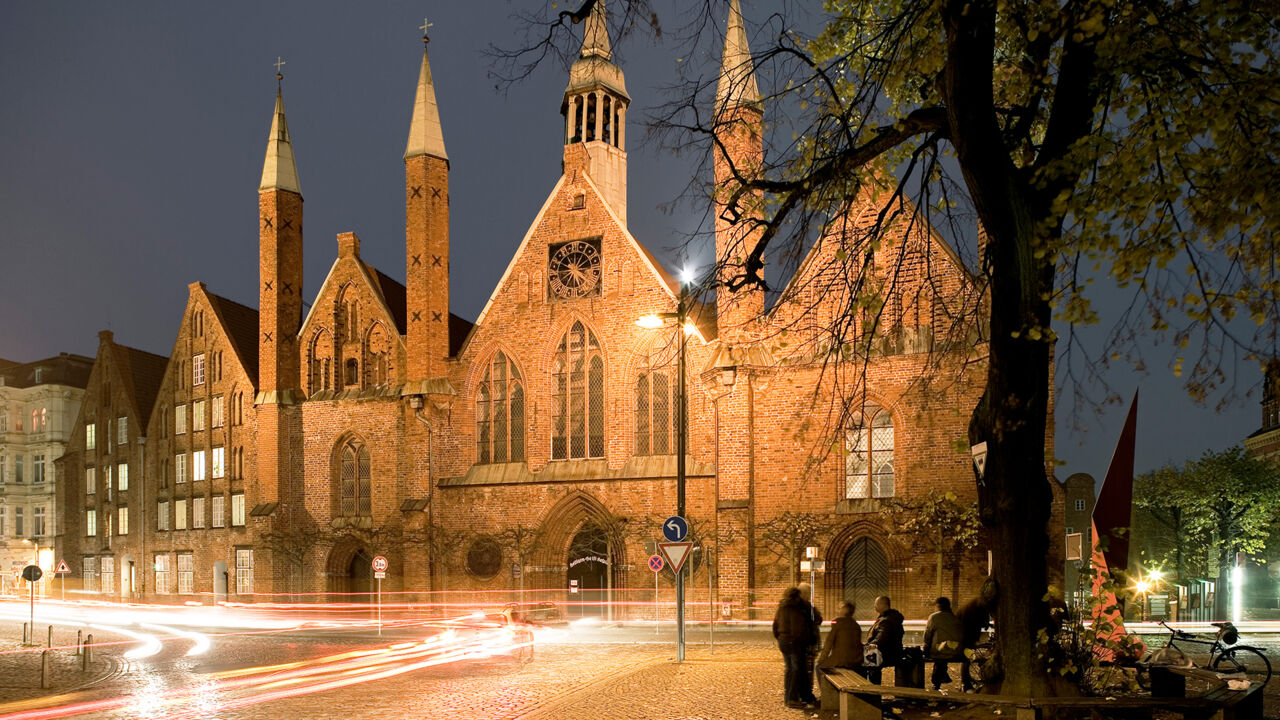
<point>675,553</point>
<point>62,567</point>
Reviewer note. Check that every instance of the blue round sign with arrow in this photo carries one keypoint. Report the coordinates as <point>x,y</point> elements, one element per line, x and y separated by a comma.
<point>675,528</point>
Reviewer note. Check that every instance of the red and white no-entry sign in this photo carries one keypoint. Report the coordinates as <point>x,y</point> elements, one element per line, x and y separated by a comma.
<point>379,564</point>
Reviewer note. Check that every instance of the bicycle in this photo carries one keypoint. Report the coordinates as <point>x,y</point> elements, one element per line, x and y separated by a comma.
<point>1225,656</point>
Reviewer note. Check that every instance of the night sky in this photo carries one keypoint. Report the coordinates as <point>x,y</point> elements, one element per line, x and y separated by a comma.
<point>132,138</point>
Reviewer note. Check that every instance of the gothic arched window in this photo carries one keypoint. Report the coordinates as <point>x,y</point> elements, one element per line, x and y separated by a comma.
<point>655,413</point>
<point>500,413</point>
<point>354,484</point>
<point>320,363</point>
<point>868,462</point>
<point>577,408</point>
<point>377,356</point>
<point>352,372</point>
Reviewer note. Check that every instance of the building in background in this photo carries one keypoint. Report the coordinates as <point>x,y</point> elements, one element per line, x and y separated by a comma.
<point>1079,497</point>
<point>1265,441</point>
<point>39,402</point>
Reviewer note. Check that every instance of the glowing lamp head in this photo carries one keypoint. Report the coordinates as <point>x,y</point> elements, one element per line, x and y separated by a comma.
<point>1156,576</point>
<point>690,328</point>
<point>649,322</point>
<point>1143,587</point>
<point>686,275</point>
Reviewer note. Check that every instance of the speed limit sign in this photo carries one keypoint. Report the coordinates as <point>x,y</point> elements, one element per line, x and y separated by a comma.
<point>380,564</point>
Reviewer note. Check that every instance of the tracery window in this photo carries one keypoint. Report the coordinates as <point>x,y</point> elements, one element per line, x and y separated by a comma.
<point>500,413</point>
<point>868,463</point>
<point>354,483</point>
<point>377,356</point>
<point>320,363</point>
<point>577,421</point>
<point>655,413</point>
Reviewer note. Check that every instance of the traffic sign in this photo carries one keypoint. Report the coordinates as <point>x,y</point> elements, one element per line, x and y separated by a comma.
<point>573,586</point>
<point>675,553</point>
<point>380,564</point>
<point>656,563</point>
<point>675,529</point>
<point>32,573</point>
<point>62,568</point>
<point>379,575</point>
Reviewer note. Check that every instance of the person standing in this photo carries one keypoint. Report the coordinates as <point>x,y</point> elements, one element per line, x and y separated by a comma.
<point>975,618</point>
<point>943,640</point>
<point>793,629</point>
<point>815,617</point>
<point>886,636</point>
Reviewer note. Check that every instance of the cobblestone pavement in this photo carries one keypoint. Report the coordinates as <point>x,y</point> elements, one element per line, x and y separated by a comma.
<point>616,675</point>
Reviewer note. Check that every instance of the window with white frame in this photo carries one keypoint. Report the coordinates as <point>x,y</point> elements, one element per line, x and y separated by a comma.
<point>197,369</point>
<point>237,509</point>
<point>90,480</point>
<point>4,515</point>
<point>179,419</point>
<point>106,480</point>
<point>198,466</point>
<point>216,410</point>
<point>89,573</point>
<point>197,416</point>
<point>19,524</point>
<point>122,430</point>
<point>122,521</point>
<point>197,512</point>
<point>108,574</point>
<point>179,514</point>
<point>219,508</point>
<point>244,571</point>
<point>868,462</point>
<point>186,573</point>
<point>90,436</point>
<point>217,466</point>
<point>37,469</point>
<point>162,573</point>
<point>38,528</point>
<point>122,477</point>
<point>19,465</point>
<point>162,515</point>
<point>1080,505</point>
<point>91,523</point>
<point>180,468</point>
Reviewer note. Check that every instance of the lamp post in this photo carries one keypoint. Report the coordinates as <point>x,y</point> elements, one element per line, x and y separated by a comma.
<point>654,321</point>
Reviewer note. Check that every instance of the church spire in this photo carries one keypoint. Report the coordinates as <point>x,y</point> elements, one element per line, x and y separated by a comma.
<point>425,135</point>
<point>278,169</point>
<point>595,36</point>
<point>737,85</point>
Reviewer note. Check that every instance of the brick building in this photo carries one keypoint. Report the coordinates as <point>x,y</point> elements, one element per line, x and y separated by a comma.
<point>534,450</point>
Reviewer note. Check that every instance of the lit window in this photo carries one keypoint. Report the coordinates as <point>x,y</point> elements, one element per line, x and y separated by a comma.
<point>122,430</point>
<point>197,512</point>
<point>90,436</point>
<point>197,466</point>
<point>500,413</point>
<point>91,523</point>
<point>197,416</point>
<point>868,462</point>
<point>122,477</point>
<point>162,573</point>
<point>162,515</point>
<point>197,369</point>
<point>90,480</point>
<point>237,509</point>
<point>180,420</point>
<point>217,468</point>
<point>244,571</point>
<point>180,468</point>
<point>122,521</point>
<point>89,570</point>
<point>186,573</point>
<point>219,507</point>
<point>179,514</point>
<point>577,404</point>
<point>108,565</point>
<point>217,411</point>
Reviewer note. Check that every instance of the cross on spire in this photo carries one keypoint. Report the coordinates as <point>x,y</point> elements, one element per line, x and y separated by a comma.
<point>424,27</point>
<point>279,64</point>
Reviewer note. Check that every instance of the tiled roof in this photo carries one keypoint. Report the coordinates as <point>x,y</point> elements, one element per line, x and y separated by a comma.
<point>240,322</point>
<point>144,372</point>
<point>393,293</point>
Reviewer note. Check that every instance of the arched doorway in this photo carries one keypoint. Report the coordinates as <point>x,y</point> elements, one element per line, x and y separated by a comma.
<point>866,575</point>
<point>588,570</point>
<point>351,574</point>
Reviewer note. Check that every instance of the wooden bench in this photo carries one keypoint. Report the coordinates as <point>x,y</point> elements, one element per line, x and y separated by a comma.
<point>857,698</point>
<point>1222,702</point>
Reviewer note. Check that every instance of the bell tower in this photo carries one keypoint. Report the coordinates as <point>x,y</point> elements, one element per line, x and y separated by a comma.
<point>595,113</point>
<point>426,223</point>
<point>739,120</point>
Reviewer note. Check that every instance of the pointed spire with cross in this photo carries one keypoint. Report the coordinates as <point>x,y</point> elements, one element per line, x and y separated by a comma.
<point>424,27</point>
<point>279,64</point>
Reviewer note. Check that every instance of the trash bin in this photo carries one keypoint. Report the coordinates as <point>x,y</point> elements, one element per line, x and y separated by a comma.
<point>909,672</point>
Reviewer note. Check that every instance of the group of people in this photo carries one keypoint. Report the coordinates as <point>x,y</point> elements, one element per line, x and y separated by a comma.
<point>797,628</point>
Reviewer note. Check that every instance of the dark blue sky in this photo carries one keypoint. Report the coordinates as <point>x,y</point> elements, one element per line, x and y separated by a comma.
<point>131,144</point>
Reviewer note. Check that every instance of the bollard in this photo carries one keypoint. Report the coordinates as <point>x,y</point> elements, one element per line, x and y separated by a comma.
<point>79,642</point>
<point>44,669</point>
<point>50,643</point>
<point>25,637</point>
<point>88,650</point>
<point>84,658</point>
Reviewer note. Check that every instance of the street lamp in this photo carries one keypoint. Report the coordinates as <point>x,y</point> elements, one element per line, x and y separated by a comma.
<point>654,321</point>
